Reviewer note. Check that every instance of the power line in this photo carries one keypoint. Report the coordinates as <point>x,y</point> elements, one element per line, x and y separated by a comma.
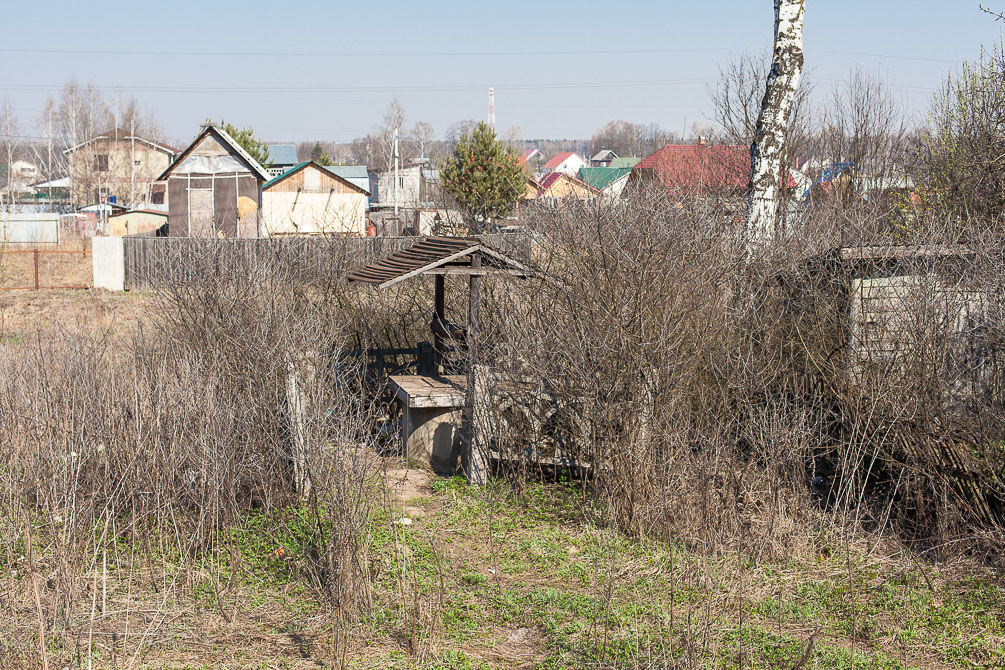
<point>408,88</point>
<point>436,54</point>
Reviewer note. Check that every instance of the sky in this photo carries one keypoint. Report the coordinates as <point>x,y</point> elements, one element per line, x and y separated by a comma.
<point>298,70</point>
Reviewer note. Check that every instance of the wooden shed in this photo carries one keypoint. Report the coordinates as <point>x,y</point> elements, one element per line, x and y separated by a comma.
<point>312,200</point>
<point>876,296</point>
<point>214,188</point>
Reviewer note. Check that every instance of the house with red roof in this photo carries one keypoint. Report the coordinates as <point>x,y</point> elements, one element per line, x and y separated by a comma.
<point>528,155</point>
<point>699,168</point>
<point>566,162</point>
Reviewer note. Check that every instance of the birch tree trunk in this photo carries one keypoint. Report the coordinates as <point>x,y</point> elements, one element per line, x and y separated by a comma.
<point>773,121</point>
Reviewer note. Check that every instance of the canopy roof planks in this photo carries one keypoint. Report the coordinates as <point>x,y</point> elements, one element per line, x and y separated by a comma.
<point>441,256</point>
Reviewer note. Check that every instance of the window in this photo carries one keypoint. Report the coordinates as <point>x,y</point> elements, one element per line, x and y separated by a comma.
<point>101,163</point>
<point>401,182</point>
<point>137,162</point>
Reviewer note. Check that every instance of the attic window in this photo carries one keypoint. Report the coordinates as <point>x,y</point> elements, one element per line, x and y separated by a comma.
<point>101,163</point>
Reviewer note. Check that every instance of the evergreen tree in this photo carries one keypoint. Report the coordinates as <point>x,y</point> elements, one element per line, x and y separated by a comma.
<point>483,175</point>
<point>319,155</point>
<point>245,137</point>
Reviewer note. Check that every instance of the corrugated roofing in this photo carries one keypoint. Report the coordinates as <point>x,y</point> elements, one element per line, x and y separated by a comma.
<point>624,162</point>
<point>558,159</point>
<point>354,174</point>
<point>431,253</point>
<point>297,168</point>
<point>283,154</point>
<point>602,177</point>
<point>702,166</point>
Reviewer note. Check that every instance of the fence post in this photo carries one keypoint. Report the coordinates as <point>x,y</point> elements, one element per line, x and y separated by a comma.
<point>36,268</point>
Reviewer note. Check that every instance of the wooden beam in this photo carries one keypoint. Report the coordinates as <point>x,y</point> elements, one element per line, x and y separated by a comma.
<point>475,460</point>
<point>429,266</point>
<point>438,313</point>
<point>480,272</point>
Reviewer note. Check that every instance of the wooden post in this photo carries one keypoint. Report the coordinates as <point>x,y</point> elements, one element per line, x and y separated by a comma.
<point>438,314</point>
<point>475,450</point>
<point>36,268</point>
<point>295,406</point>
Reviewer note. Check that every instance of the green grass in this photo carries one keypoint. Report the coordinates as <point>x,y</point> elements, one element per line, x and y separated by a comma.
<point>595,597</point>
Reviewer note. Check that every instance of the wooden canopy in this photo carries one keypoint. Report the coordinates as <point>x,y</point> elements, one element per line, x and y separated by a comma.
<point>441,256</point>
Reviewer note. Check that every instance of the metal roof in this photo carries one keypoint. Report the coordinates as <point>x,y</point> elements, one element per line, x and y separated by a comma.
<point>558,159</point>
<point>224,137</point>
<point>283,154</point>
<point>602,177</point>
<point>349,171</point>
<point>624,162</point>
<point>438,255</point>
<point>326,168</point>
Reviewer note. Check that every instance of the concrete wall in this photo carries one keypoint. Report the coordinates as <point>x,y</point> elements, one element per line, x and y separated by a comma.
<point>108,261</point>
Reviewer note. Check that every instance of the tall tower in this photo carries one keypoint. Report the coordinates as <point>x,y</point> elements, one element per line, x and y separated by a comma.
<point>492,108</point>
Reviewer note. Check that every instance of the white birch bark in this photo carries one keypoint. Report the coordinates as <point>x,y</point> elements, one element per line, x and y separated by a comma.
<point>773,121</point>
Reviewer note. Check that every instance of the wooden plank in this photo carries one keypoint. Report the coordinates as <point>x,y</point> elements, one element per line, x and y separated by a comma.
<point>424,391</point>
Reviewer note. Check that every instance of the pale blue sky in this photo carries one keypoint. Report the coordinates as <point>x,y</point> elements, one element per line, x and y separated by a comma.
<point>560,95</point>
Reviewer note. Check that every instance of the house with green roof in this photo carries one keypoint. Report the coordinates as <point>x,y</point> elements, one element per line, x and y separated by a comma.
<point>624,162</point>
<point>608,180</point>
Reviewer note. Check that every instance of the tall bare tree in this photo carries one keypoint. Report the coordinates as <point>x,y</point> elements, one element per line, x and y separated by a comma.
<point>767,149</point>
<point>10,135</point>
<point>394,117</point>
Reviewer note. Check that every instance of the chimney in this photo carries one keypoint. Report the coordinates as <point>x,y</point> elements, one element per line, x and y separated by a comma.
<point>702,141</point>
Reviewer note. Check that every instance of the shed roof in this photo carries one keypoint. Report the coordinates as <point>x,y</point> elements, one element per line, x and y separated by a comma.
<point>439,255</point>
<point>602,177</point>
<point>224,137</point>
<point>283,154</point>
<point>298,168</point>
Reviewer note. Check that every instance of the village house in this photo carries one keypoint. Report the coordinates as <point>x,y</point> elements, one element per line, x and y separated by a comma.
<point>312,200</point>
<point>566,162</point>
<point>610,181</point>
<point>530,158</point>
<point>698,169</point>
<point>602,158</point>
<point>282,157</point>
<point>214,188</point>
<point>559,187</point>
<point>116,166</point>
<point>354,174</point>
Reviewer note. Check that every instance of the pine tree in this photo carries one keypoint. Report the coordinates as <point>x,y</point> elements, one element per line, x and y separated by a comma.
<point>245,137</point>
<point>483,175</point>
<point>319,155</point>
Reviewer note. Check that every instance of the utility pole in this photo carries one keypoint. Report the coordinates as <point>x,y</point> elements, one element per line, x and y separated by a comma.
<point>492,108</point>
<point>396,174</point>
<point>132,161</point>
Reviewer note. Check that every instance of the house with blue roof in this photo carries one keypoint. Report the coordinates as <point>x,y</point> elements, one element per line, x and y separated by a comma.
<point>283,157</point>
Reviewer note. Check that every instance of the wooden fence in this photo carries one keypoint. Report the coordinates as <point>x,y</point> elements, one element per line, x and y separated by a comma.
<point>150,262</point>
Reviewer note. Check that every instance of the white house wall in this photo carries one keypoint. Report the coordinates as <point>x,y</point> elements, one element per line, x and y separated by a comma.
<point>307,213</point>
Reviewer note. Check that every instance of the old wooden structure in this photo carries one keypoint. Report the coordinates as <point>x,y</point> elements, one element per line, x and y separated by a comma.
<point>214,188</point>
<point>311,200</point>
<point>440,413</point>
